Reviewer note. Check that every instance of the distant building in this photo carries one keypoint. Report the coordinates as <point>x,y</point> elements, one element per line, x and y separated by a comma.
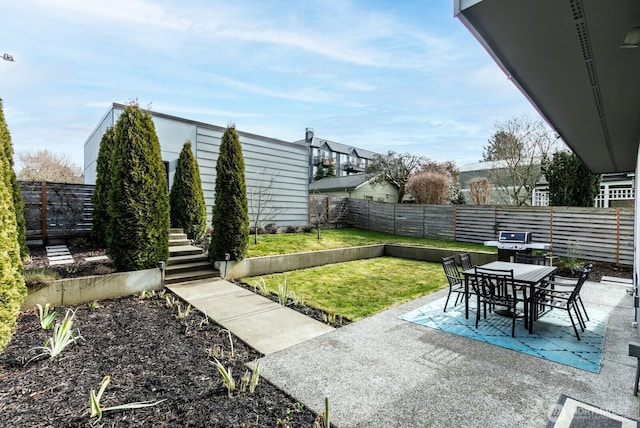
<point>356,186</point>
<point>616,190</point>
<point>263,156</point>
<point>348,160</point>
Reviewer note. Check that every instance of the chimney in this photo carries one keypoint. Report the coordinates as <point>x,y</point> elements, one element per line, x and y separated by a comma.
<point>308,136</point>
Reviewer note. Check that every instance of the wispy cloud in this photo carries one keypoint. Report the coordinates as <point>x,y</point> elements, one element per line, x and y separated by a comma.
<point>379,74</point>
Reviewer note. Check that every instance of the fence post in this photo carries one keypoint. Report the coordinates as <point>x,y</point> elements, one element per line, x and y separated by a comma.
<point>551,227</point>
<point>395,218</point>
<point>455,222</point>
<point>617,236</point>
<point>43,212</point>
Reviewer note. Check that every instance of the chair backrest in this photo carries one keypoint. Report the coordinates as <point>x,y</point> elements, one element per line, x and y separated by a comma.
<point>579,283</point>
<point>451,270</point>
<point>530,259</point>
<point>465,261</point>
<point>490,283</point>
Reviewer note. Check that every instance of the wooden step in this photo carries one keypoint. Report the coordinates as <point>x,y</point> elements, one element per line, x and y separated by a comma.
<point>177,236</point>
<point>188,258</point>
<point>184,250</point>
<point>186,267</point>
<point>179,242</point>
<point>188,276</point>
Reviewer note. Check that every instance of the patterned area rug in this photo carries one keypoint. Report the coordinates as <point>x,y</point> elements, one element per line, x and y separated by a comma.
<point>570,413</point>
<point>553,338</point>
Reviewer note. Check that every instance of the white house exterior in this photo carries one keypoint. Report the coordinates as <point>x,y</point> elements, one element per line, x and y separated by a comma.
<point>616,189</point>
<point>263,157</point>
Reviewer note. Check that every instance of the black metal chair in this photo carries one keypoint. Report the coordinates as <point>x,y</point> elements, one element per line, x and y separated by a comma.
<point>566,285</point>
<point>465,261</point>
<point>497,288</point>
<point>530,259</point>
<point>456,281</point>
<point>563,298</point>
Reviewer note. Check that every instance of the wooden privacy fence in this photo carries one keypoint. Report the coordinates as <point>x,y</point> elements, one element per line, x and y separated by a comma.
<point>56,210</point>
<point>597,234</point>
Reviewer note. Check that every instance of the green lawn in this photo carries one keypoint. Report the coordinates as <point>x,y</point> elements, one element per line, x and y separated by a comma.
<point>357,289</point>
<point>285,243</point>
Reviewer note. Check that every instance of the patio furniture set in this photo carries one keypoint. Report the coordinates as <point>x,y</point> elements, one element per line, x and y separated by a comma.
<point>525,288</point>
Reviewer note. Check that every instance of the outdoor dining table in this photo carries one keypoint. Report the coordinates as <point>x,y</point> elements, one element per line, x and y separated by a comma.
<point>525,274</point>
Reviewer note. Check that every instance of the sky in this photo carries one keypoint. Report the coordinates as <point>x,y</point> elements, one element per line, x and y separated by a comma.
<point>400,75</point>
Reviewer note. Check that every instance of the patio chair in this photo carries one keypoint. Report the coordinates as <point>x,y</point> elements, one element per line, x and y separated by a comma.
<point>456,282</point>
<point>566,285</point>
<point>465,261</point>
<point>497,288</point>
<point>561,297</point>
<point>530,259</point>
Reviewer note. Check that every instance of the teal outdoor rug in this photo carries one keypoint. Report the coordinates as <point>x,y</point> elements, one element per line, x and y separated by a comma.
<point>553,338</point>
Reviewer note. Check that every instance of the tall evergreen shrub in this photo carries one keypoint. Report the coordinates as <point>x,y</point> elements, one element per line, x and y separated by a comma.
<point>16,192</point>
<point>100,197</point>
<point>230,219</point>
<point>186,199</point>
<point>12,288</point>
<point>571,184</point>
<point>138,233</point>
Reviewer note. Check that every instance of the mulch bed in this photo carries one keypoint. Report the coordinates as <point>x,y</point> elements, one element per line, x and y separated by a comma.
<point>150,354</point>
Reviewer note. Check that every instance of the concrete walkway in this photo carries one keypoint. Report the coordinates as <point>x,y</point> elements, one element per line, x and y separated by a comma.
<point>263,324</point>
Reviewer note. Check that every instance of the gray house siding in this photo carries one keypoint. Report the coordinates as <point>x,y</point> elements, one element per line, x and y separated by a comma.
<point>289,162</point>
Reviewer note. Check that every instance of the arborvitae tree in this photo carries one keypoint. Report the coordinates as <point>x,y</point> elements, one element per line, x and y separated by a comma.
<point>186,200</point>
<point>138,234</point>
<point>571,184</point>
<point>100,197</point>
<point>5,144</point>
<point>12,288</point>
<point>230,219</point>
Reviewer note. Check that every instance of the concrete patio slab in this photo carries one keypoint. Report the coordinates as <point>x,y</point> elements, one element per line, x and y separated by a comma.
<point>386,372</point>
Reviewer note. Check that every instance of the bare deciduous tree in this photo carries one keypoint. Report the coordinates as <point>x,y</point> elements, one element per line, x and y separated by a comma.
<point>325,210</point>
<point>516,151</point>
<point>394,168</point>
<point>430,187</point>
<point>46,166</point>
<point>479,190</point>
<point>260,198</point>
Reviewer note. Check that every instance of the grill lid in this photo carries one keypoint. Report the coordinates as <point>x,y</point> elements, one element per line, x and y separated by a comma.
<point>514,237</point>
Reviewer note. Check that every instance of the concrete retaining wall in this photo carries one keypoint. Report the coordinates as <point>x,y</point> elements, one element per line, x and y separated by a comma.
<point>435,255</point>
<point>287,262</point>
<point>73,291</point>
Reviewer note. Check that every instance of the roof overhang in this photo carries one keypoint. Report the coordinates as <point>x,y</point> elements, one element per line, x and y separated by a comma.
<point>565,57</point>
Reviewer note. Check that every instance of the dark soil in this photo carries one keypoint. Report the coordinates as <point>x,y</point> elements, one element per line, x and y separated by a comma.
<point>150,354</point>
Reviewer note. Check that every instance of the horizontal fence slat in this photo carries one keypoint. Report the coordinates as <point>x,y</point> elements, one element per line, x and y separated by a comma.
<point>596,234</point>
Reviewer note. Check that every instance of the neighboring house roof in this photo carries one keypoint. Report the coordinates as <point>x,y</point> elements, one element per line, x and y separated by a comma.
<point>345,183</point>
<point>339,147</point>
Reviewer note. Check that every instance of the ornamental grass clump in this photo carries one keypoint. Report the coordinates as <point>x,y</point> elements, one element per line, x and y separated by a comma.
<point>61,338</point>
<point>46,316</point>
<point>96,409</point>
<point>227,377</point>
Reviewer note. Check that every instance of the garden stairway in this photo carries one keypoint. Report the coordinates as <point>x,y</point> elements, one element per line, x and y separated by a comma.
<point>186,262</point>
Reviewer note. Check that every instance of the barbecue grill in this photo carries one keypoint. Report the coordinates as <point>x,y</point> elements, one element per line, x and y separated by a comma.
<point>511,242</point>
